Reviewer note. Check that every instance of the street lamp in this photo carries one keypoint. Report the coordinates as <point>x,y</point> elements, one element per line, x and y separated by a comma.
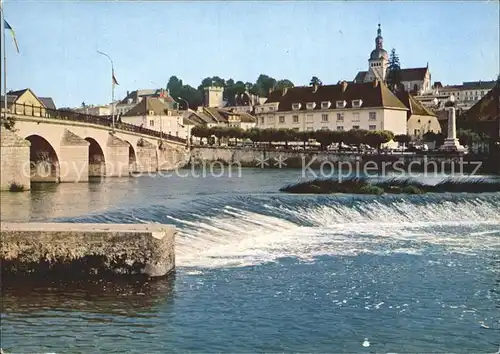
<point>112,88</point>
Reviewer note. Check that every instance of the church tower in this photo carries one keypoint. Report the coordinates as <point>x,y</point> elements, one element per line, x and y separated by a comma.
<point>379,59</point>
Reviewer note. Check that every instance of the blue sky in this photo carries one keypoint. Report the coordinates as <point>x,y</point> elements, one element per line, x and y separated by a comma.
<point>151,41</point>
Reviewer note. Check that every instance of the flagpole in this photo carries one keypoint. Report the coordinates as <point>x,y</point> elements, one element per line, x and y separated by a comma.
<point>112,89</point>
<point>4,64</point>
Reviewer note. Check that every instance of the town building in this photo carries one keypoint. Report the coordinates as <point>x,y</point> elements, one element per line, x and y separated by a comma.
<point>26,102</point>
<point>415,80</point>
<point>345,106</point>
<point>484,116</point>
<point>420,120</point>
<point>101,110</point>
<point>135,97</point>
<point>466,95</point>
<point>155,114</point>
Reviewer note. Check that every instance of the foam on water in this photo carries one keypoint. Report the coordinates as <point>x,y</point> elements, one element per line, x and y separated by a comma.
<point>236,236</point>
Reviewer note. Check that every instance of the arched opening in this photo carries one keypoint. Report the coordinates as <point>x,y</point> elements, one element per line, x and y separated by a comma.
<point>97,163</point>
<point>132,159</point>
<point>44,163</point>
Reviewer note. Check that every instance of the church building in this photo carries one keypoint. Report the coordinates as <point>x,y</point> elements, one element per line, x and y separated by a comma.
<point>415,80</point>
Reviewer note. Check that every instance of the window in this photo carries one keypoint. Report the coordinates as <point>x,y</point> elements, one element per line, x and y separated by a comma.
<point>372,127</point>
<point>324,117</point>
<point>295,106</point>
<point>271,108</point>
<point>324,128</point>
<point>281,119</point>
<point>372,115</point>
<point>295,119</point>
<point>271,120</point>
<point>325,104</point>
<point>340,104</point>
<point>482,93</point>
<point>355,117</point>
<point>309,118</point>
<point>356,103</point>
<point>261,120</point>
<point>355,127</point>
<point>309,129</point>
<point>311,105</point>
<point>340,127</point>
<point>340,117</point>
<point>151,123</point>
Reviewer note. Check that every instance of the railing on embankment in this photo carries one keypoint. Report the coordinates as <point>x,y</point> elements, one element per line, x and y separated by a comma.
<point>63,114</point>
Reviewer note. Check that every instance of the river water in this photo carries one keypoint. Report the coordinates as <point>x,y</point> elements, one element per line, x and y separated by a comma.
<point>259,270</point>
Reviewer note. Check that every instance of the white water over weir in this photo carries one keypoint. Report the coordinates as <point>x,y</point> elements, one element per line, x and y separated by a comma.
<point>239,237</point>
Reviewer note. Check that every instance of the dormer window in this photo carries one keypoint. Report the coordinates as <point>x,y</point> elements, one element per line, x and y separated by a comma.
<point>296,106</point>
<point>357,103</point>
<point>311,105</point>
<point>325,104</point>
<point>271,108</point>
<point>151,113</point>
<point>340,104</point>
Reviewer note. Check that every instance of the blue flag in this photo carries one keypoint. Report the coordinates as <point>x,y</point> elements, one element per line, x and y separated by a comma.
<point>7,26</point>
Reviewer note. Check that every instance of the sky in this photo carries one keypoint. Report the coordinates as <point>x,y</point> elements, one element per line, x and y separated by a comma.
<point>149,41</point>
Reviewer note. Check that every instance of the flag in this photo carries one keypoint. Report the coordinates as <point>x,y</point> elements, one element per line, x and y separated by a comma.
<point>7,26</point>
<point>115,82</point>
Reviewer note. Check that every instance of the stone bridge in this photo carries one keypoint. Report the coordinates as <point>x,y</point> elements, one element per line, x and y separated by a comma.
<point>71,148</point>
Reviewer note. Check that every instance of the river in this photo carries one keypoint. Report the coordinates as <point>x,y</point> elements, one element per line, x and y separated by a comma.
<point>259,270</point>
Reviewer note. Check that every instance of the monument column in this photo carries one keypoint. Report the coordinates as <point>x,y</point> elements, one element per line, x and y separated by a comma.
<point>451,143</point>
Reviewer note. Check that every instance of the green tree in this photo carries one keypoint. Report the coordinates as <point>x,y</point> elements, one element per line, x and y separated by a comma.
<point>281,84</point>
<point>402,139</point>
<point>324,137</point>
<point>201,131</point>
<point>394,71</point>
<point>174,86</point>
<point>315,81</point>
<point>304,136</point>
<point>378,137</point>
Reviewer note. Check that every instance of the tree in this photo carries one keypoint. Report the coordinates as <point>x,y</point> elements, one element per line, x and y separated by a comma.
<point>315,81</point>
<point>263,85</point>
<point>394,71</point>
<point>324,137</point>
<point>281,84</point>
<point>201,131</point>
<point>378,137</point>
<point>174,86</point>
<point>402,139</point>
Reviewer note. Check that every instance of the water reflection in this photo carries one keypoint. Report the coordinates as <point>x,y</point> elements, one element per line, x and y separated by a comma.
<point>130,297</point>
<point>50,200</point>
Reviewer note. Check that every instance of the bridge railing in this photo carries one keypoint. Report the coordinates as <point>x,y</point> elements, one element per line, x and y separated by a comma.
<point>67,114</point>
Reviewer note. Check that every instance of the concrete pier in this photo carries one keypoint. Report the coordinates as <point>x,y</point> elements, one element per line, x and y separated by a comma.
<point>80,249</point>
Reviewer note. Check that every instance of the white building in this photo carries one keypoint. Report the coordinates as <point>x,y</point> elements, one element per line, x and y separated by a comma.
<point>415,80</point>
<point>152,113</point>
<point>102,110</point>
<point>466,95</point>
<point>135,97</point>
<point>345,106</point>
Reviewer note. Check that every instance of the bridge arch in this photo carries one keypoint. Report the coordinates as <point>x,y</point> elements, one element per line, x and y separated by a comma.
<point>44,162</point>
<point>132,158</point>
<point>97,161</point>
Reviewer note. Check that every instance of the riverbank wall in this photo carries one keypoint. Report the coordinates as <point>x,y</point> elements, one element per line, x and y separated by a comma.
<point>273,158</point>
<point>75,250</point>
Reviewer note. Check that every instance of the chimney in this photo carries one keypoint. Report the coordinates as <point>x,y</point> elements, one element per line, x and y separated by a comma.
<point>128,93</point>
<point>344,86</point>
<point>375,83</point>
<point>285,90</point>
<point>315,88</point>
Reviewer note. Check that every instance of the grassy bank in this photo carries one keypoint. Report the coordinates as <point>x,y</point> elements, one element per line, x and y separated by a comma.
<point>392,186</point>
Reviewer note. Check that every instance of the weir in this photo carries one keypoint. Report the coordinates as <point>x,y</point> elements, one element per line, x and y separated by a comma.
<point>73,250</point>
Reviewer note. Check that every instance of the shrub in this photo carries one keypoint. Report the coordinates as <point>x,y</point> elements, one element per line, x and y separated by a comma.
<point>411,190</point>
<point>370,189</point>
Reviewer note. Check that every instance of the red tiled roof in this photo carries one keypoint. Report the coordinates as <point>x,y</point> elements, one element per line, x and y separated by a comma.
<point>371,95</point>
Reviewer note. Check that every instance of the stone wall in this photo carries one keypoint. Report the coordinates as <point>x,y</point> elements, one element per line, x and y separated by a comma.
<point>74,158</point>
<point>78,249</point>
<point>117,157</point>
<point>15,161</point>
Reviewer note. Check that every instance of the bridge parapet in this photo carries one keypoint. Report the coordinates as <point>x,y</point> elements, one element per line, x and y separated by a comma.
<point>63,114</point>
